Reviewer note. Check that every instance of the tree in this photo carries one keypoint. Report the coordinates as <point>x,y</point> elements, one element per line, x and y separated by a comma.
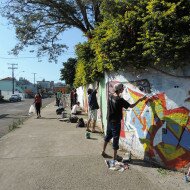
<point>87,69</point>
<point>143,34</point>
<point>68,72</point>
<point>115,39</point>
<point>41,22</point>
<point>165,33</point>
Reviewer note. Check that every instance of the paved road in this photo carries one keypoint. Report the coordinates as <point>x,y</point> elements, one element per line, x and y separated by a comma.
<point>12,112</point>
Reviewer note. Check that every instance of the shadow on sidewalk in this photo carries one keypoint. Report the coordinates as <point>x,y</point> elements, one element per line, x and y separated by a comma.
<point>4,115</point>
<point>143,163</point>
<point>48,118</point>
<point>91,138</point>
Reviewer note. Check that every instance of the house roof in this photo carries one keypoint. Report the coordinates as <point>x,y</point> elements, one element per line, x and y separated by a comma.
<point>7,78</point>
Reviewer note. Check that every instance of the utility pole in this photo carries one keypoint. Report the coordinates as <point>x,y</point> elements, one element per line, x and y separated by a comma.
<point>13,78</point>
<point>34,77</point>
<point>35,89</point>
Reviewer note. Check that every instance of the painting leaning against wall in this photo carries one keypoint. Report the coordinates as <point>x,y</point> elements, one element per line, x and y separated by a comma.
<point>160,131</point>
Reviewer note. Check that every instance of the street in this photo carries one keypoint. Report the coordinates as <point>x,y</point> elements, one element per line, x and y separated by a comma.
<point>10,112</point>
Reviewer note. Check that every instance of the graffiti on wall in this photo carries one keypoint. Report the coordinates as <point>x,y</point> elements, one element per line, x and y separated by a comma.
<point>163,131</point>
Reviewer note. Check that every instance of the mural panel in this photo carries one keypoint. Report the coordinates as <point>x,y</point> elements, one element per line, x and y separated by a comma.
<point>160,124</point>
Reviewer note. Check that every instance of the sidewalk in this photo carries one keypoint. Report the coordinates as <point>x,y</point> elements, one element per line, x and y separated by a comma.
<point>53,155</point>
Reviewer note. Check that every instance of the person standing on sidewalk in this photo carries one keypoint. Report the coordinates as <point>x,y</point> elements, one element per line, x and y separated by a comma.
<point>75,95</point>
<point>72,98</point>
<point>59,96</point>
<point>92,108</point>
<point>38,104</point>
<point>114,117</point>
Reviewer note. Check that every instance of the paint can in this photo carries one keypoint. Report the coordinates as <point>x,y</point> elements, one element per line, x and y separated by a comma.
<point>87,135</point>
<point>127,157</point>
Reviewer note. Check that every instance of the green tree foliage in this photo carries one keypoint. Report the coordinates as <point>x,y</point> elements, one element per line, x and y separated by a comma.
<point>165,34</point>
<point>41,22</point>
<point>143,34</point>
<point>68,71</point>
<point>115,39</point>
<point>86,70</point>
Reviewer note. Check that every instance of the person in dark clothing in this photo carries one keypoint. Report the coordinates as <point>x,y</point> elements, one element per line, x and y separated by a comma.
<point>75,97</point>
<point>59,96</point>
<point>56,99</point>
<point>92,108</point>
<point>72,98</point>
<point>114,117</point>
<point>38,104</point>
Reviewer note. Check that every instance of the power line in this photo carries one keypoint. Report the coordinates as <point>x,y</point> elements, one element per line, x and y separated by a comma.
<point>68,53</point>
<point>17,57</point>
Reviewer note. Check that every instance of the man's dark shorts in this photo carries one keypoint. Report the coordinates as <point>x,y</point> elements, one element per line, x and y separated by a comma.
<point>113,131</point>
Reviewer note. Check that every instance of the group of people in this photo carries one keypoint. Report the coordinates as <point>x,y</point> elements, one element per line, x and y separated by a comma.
<point>60,99</point>
<point>74,104</point>
<point>93,106</point>
<point>114,112</point>
<point>114,115</point>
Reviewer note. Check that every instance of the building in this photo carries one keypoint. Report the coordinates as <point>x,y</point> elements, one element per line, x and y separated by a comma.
<point>28,87</point>
<point>60,87</point>
<point>6,87</point>
<point>45,87</point>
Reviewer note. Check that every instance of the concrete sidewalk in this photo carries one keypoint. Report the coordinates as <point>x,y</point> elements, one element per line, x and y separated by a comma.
<point>48,154</point>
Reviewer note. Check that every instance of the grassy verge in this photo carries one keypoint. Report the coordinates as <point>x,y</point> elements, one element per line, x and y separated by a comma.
<point>162,171</point>
<point>16,124</point>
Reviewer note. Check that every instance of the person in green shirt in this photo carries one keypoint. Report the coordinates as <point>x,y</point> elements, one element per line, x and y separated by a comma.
<point>59,96</point>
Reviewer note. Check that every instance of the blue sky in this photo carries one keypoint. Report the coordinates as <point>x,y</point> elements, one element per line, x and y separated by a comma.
<point>28,62</point>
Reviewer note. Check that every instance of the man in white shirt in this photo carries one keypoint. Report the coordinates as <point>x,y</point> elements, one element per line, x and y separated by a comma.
<point>76,109</point>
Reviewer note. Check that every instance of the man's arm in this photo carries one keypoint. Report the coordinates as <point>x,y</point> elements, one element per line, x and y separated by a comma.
<point>141,99</point>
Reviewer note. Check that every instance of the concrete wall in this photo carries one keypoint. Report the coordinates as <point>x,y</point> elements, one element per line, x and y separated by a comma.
<point>6,94</point>
<point>81,96</point>
<point>158,128</point>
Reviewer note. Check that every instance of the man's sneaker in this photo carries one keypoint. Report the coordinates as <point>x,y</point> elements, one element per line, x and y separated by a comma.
<point>119,158</point>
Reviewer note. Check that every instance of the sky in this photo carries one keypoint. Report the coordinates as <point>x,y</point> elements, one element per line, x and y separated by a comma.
<point>27,62</point>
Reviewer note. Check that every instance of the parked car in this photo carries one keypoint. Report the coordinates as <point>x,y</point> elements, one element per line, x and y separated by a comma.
<point>15,98</point>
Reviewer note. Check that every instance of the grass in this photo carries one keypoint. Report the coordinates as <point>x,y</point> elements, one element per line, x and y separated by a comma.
<point>16,124</point>
<point>162,171</point>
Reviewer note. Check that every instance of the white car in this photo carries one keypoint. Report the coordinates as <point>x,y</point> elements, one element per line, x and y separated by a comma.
<point>15,98</point>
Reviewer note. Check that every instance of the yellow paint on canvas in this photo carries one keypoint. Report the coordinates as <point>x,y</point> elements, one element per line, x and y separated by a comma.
<point>170,152</point>
<point>179,118</point>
